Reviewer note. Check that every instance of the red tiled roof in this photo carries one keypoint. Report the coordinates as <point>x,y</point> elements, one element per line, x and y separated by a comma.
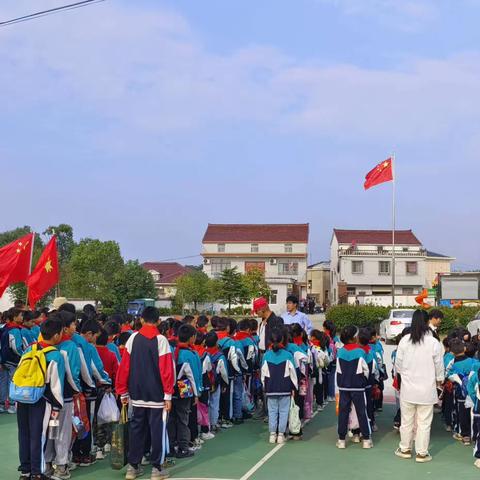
<point>256,233</point>
<point>376,237</point>
<point>169,271</point>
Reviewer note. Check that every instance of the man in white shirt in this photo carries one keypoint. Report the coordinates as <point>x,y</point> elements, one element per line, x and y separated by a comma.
<point>293,315</point>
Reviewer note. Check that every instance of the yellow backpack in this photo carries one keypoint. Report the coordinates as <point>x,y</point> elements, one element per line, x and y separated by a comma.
<point>28,382</point>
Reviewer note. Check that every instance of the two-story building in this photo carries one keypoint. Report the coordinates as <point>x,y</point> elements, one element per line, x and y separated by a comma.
<point>361,267</point>
<point>279,250</point>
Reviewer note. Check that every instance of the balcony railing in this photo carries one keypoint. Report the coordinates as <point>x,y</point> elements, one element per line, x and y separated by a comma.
<point>379,253</point>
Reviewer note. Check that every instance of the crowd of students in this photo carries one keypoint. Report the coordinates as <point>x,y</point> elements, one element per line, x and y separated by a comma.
<point>184,381</point>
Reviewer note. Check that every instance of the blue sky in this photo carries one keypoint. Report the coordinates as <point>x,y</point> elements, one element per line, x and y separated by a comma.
<point>144,121</point>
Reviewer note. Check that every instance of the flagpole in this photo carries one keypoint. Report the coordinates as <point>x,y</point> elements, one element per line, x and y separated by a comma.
<point>393,231</point>
<point>31,262</point>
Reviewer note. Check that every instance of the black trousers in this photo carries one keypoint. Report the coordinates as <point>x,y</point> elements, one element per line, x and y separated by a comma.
<point>178,430</point>
<point>83,448</point>
<point>146,420</point>
<point>31,435</point>
<point>358,399</point>
<point>476,433</point>
<point>461,417</point>
<point>370,406</point>
<point>225,402</point>
<point>193,423</point>
<point>447,407</point>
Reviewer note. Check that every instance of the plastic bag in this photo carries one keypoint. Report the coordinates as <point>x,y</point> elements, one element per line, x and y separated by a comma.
<point>353,419</point>
<point>119,452</point>
<point>81,422</point>
<point>203,418</point>
<point>294,422</point>
<point>248,404</point>
<point>108,411</point>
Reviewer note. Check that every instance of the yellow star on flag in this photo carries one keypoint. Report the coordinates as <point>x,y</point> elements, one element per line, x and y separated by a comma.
<point>48,266</point>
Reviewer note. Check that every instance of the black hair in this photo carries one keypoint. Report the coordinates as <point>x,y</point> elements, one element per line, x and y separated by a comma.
<point>457,347</point>
<point>67,307</point>
<point>222,324</point>
<point>446,343</point>
<point>297,330</point>
<point>20,304</point>
<point>211,339</point>
<point>90,325</point>
<point>186,332</point>
<point>330,326</point>
<point>151,315</point>
<point>89,309</point>
<point>112,327</point>
<point>244,325</point>
<point>15,312</point>
<point>36,314</point>
<point>199,338</point>
<point>188,319</point>
<point>163,328</point>
<point>214,322</point>
<point>102,339</point>
<point>348,333</point>
<point>435,313</point>
<point>117,318</point>
<point>202,321</point>
<point>102,318</point>
<point>176,326</point>
<point>27,316</point>
<point>50,328</point>
<point>419,326</point>
<point>322,337</point>
<point>277,337</point>
<point>293,299</point>
<point>470,350</point>
<point>44,310</point>
<point>232,326</point>
<point>253,324</point>
<point>123,338</point>
<point>67,318</point>
<point>364,336</point>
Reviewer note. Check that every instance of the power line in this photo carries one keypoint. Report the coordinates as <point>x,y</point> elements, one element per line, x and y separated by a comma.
<point>178,258</point>
<point>51,11</point>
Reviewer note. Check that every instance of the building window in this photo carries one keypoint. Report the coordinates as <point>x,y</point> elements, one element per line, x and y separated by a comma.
<point>254,248</point>
<point>405,249</point>
<point>407,290</point>
<point>384,268</point>
<point>287,267</point>
<point>412,268</point>
<point>218,265</point>
<point>357,267</point>
<point>273,297</point>
<point>288,248</point>
<point>380,249</point>
<point>351,291</point>
<point>221,248</point>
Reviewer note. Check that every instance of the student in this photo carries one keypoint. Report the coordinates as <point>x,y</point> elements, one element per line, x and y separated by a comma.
<point>319,344</point>
<point>378,352</point>
<point>57,451</point>
<point>447,397</point>
<point>29,331</point>
<point>331,330</point>
<point>474,394</point>
<point>202,324</point>
<point>122,342</point>
<point>187,390</point>
<point>279,378</point>
<point>352,379</point>
<point>33,419</point>
<point>247,345</point>
<point>113,331</point>
<point>458,374</point>
<point>146,377</point>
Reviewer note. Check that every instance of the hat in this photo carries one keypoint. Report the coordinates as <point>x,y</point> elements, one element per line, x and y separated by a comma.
<point>58,302</point>
<point>259,303</point>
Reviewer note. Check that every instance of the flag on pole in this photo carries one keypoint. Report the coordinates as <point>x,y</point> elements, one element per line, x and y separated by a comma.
<point>382,173</point>
<point>15,261</point>
<point>46,274</point>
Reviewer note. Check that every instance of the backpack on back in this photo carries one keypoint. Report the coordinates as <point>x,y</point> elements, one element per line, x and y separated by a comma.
<point>28,382</point>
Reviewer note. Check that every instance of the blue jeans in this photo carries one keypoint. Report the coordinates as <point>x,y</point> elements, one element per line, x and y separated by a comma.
<point>237,396</point>
<point>278,411</point>
<point>332,369</point>
<point>214,406</point>
<point>6,375</point>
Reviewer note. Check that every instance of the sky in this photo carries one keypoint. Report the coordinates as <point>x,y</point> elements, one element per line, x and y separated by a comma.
<point>144,121</point>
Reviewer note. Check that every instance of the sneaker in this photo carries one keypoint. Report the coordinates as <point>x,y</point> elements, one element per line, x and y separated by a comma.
<point>448,428</point>
<point>477,463</point>
<point>273,438</point>
<point>169,462</point>
<point>24,476</point>
<point>423,458</point>
<point>367,444</point>
<point>374,428</point>
<point>396,426</point>
<point>86,461</point>
<point>133,473</point>
<point>356,439</point>
<point>12,410</point>
<point>61,473</point>
<point>48,469</point>
<point>199,441</point>
<point>158,474</point>
<point>208,436</point>
<point>72,466</point>
<point>457,436</point>
<point>341,444</point>
<point>281,438</point>
<point>466,441</point>
<point>226,424</point>
<point>184,454</point>
<point>403,453</point>
<point>145,460</point>
<point>107,448</point>
<point>331,399</point>
<point>320,408</point>
<point>4,410</point>
<point>99,455</point>
<point>39,476</point>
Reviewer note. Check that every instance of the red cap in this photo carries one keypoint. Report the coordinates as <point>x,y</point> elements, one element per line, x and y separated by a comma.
<point>259,303</point>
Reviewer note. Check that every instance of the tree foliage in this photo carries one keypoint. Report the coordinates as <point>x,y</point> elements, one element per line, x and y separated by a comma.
<point>194,287</point>
<point>232,290</point>
<point>255,284</point>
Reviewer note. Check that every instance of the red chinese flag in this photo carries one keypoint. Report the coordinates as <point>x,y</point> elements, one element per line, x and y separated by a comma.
<point>382,173</point>
<point>46,274</point>
<point>15,261</point>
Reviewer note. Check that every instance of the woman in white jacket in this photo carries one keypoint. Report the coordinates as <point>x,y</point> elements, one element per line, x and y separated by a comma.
<point>419,362</point>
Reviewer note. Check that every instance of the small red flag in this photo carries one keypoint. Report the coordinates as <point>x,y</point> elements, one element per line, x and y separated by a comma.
<point>46,274</point>
<point>15,261</point>
<point>382,173</point>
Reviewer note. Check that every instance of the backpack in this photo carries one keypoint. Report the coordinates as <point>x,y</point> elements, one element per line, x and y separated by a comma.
<point>28,382</point>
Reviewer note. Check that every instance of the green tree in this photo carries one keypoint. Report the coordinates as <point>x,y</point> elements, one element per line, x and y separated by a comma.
<point>92,269</point>
<point>255,284</point>
<point>131,282</point>
<point>193,287</point>
<point>232,289</point>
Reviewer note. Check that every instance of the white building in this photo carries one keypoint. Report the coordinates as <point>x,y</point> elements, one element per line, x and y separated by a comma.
<point>279,250</point>
<point>361,267</point>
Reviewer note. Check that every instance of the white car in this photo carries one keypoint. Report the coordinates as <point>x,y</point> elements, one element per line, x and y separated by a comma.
<point>392,326</point>
<point>474,326</point>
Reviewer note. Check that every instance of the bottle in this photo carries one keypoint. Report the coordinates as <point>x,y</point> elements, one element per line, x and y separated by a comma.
<point>53,429</point>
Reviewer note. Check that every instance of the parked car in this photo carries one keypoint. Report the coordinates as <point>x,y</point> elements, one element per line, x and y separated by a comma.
<point>474,325</point>
<point>397,320</point>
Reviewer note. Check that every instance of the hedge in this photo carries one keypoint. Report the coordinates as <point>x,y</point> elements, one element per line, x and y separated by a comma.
<point>362,315</point>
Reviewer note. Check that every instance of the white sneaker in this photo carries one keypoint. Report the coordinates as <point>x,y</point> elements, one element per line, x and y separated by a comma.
<point>403,453</point>
<point>199,441</point>
<point>356,439</point>
<point>367,444</point>
<point>477,463</point>
<point>12,410</point>
<point>133,473</point>
<point>423,458</point>
<point>281,438</point>
<point>273,438</point>
<point>107,448</point>
<point>3,409</point>
<point>341,444</point>
<point>99,455</point>
<point>331,399</point>
<point>208,436</point>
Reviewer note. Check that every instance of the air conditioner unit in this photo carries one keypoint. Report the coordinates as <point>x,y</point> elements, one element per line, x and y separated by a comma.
<point>273,261</point>
<point>206,261</point>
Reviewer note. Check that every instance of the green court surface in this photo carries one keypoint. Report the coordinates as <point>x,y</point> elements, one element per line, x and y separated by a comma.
<point>243,453</point>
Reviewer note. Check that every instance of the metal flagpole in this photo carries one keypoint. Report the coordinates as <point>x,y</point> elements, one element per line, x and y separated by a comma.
<point>393,231</point>
<point>31,262</point>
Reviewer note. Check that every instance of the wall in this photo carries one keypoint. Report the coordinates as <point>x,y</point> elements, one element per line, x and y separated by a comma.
<point>263,248</point>
<point>433,266</point>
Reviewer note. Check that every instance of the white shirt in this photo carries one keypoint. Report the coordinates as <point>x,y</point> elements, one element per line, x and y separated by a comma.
<point>261,335</point>
<point>420,366</point>
<point>298,317</point>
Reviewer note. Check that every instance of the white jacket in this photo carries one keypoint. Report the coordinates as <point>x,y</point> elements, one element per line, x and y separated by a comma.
<point>420,366</point>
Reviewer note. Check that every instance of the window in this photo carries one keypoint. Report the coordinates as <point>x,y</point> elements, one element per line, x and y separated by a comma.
<point>357,267</point>
<point>380,249</point>
<point>405,249</point>
<point>412,268</point>
<point>407,290</point>
<point>221,248</point>
<point>218,265</point>
<point>254,248</point>
<point>384,268</point>
<point>273,297</point>
<point>288,248</point>
<point>287,267</point>
<point>351,291</point>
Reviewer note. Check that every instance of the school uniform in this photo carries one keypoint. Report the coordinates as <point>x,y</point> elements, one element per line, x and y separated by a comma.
<point>352,379</point>
<point>33,419</point>
<point>320,364</point>
<point>474,394</point>
<point>114,349</point>
<point>447,399</point>
<point>220,380</point>
<point>11,349</point>
<point>146,375</point>
<point>377,350</point>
